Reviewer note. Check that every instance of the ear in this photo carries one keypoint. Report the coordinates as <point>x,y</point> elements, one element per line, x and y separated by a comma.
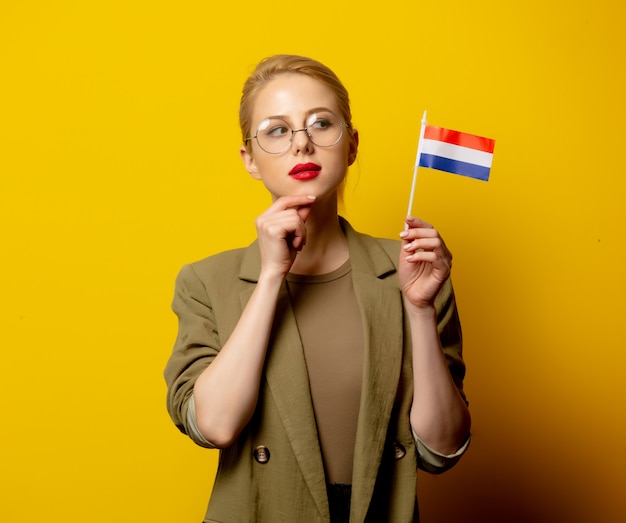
<point>353,147</point>
<point>249,162</point>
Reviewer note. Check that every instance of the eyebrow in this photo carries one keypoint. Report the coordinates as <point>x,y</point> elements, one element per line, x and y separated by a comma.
<point>307,113</point>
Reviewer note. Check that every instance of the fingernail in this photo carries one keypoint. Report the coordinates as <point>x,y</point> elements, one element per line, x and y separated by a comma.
<point>404,234</point>
<point>311,197</point>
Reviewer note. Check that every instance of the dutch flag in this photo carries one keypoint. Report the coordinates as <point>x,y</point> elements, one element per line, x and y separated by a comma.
<point>456,152</point>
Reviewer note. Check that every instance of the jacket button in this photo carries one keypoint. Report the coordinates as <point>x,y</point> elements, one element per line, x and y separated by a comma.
<point>262,454</point>
<point>398,450</point>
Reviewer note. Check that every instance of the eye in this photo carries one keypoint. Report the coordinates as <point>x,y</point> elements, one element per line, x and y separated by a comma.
<point>322,124</point>
<point>322,121</point>
<point>277,131</point>
<point>274,128</point>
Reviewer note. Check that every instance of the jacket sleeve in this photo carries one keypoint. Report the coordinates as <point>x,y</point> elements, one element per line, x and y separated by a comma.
<point>434,462</point>
<point>197,343</point>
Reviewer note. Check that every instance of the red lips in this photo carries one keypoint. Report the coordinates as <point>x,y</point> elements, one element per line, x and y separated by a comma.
<point>305,171</point>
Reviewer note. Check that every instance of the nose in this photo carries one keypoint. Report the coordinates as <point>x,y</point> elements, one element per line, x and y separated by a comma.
<point>300,141</point>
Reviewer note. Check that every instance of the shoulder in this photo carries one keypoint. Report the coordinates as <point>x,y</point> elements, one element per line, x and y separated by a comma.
<point>220,261</point>
<point>220,267</point>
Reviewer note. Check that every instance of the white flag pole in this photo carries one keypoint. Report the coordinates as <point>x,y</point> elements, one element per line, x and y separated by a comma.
<point>417,162</point>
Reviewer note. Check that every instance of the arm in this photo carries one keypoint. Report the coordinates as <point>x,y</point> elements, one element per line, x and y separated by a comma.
<point>226,393</point>
<point>439,414</point>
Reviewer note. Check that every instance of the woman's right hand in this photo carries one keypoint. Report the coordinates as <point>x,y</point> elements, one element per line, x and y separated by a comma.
<point>282,232</point>
<point>227,391</point>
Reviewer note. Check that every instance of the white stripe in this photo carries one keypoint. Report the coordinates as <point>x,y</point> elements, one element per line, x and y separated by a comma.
<point>456,152</point>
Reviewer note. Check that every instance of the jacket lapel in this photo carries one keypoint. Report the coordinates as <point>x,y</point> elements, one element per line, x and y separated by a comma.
<point>380,301</point>
<point>288,381</point>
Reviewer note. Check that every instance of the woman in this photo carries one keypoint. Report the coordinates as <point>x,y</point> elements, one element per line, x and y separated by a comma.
<point>324,363</point>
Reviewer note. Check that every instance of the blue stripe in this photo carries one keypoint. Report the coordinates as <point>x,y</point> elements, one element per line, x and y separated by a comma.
<point>454,166</point>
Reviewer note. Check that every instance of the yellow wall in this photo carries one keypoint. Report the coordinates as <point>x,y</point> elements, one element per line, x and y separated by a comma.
<point>119,163</point>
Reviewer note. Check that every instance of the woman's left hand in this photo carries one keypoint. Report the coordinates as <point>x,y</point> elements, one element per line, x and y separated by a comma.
<point>425,263</point>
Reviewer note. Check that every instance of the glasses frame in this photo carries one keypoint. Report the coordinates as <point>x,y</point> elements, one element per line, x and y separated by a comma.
<point>342,124</point>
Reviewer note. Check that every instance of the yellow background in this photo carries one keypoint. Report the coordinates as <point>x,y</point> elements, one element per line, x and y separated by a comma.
<point>119,163</point>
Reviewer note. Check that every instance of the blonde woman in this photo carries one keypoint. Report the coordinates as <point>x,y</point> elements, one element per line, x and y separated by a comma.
<point>325,364</point>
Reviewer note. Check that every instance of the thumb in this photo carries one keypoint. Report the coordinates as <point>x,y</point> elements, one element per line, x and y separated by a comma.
<point>304,211</point>
<point>299,238</point>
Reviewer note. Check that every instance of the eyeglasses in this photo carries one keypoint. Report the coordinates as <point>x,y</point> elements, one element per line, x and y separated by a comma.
<point>274,135</point>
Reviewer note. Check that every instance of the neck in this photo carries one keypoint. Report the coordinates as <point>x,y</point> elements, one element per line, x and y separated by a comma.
<point>326,246</point>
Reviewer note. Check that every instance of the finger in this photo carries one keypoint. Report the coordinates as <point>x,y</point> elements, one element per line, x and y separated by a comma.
<point>304,211</point>
<point>412,221</point>
<point>426,244</point>
<point>291,202</point>
<point>280,223</point>
<point>422,256</point>
<point>427,256</point>
<point>285,213</point>
<point>298,242</point>
<point>415,227</point>
<point>417,233</point>
<point>288,225</point>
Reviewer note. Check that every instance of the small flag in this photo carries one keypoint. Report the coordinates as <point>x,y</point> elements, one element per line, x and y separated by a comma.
<point>455,152</point>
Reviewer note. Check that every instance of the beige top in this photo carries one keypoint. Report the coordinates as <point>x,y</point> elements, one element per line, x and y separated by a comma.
<point>331,331</point>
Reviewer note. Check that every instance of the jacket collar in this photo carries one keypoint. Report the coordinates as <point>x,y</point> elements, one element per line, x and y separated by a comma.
<point>366,255</point>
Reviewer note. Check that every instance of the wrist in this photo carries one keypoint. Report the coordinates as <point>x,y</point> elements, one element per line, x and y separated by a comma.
<point>271,279</point>
<point>422,310</point>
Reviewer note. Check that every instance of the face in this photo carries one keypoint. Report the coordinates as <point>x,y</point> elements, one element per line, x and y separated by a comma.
<point>304,168</point>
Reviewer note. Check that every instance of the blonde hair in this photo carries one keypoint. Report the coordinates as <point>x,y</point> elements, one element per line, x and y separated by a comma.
<point>273,66</point>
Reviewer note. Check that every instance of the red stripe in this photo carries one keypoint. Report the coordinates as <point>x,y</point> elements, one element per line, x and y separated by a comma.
<point>456,138</point>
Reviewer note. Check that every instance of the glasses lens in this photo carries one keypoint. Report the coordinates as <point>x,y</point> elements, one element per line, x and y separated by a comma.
<point>324,128</point>
<point>274,135</point>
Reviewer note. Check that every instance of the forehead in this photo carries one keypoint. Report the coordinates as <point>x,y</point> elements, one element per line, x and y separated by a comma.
<point>294,96</point>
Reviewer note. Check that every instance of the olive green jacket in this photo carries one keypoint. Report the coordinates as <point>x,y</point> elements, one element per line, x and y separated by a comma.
<point>285,481</point>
